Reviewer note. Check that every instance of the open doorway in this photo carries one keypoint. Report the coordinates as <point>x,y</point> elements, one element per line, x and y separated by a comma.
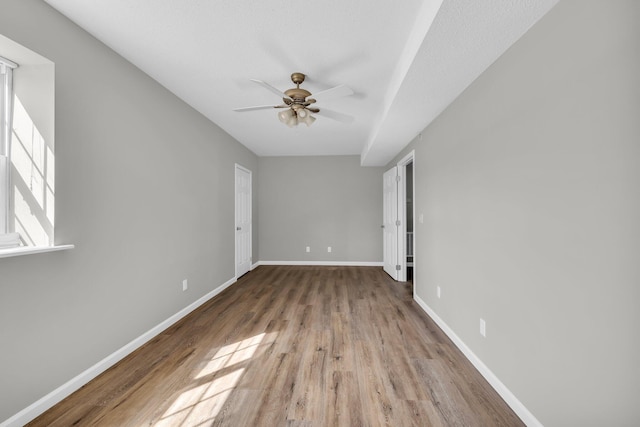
<point>409,220</point>
<point>398,220</point>
<point>406,240</point>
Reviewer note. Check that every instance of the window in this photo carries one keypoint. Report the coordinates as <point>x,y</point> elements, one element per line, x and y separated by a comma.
<point>27,162</point>
<point>8,238</point>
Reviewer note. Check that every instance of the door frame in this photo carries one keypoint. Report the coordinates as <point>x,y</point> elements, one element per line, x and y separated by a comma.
<point>402,214</point>
<point>235,219</point>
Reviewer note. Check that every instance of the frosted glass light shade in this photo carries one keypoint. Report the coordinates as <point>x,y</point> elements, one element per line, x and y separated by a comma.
<point>286,115</point>
<point>307,120</point>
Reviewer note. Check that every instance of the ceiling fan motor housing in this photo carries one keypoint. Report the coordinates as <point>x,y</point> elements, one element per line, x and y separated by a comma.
<point>298,95</point>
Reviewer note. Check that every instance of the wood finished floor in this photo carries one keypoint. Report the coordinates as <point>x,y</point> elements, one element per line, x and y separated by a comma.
<point>294,346</point>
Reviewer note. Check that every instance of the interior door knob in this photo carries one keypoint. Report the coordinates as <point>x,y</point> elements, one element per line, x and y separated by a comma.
<point>238,228</point>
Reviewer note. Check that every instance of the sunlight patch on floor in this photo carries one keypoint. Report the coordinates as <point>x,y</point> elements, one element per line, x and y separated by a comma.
<point>203,402</point>
<point>231,354</point>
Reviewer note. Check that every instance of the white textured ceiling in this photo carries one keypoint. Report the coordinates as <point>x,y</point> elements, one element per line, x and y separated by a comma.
<point>405,61</point>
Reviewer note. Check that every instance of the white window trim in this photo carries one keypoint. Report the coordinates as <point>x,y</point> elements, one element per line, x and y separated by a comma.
<point>6,69</point>
<point>28,250</point>
<point>27,58</point>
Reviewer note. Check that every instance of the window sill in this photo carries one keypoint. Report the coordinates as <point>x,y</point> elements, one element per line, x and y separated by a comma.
<point>28,250</point>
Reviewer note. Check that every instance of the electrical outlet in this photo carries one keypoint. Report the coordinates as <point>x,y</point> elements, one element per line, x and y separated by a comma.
<point>328,248</point>
<point>483,328</point>
<point>438,291</point>
<point>185,285</point>
<point>308,248</point>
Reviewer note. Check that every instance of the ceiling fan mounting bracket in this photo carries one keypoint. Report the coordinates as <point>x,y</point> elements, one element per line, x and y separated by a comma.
<point>297,78</point>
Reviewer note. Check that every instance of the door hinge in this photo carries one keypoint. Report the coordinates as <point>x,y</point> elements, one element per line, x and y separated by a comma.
<point>397,178</point>
<point>398,267</point>
<point>398,222</point>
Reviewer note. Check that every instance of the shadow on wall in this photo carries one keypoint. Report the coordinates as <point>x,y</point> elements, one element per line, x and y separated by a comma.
<point>32,180</point>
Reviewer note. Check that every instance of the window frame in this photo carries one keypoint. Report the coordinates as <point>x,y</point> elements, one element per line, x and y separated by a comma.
<point>6,110</point>
<point>7,99</point>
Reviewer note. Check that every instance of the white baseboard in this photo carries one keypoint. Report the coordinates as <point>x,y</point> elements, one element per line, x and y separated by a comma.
<point>57,395</point>
<point>527,417</point>
<point>325,263</point>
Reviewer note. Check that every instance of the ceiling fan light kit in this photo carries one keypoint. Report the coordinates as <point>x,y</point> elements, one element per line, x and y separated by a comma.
<point>297,102</point>
<point>296,115</point>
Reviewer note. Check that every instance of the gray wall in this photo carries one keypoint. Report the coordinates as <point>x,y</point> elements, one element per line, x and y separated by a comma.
<point>529,188</point>
<point>145,190</point>
<point>319,202</point>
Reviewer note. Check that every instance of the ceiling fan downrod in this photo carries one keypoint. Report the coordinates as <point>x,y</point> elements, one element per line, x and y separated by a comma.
<point>297,95</point>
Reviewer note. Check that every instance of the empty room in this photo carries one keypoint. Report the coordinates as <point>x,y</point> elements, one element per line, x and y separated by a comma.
<point>338,213</point>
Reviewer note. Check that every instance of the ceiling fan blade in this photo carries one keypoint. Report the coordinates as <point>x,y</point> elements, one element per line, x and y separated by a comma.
<point>334,115</point>
<point>334,92</point>
<point>259,107</point>
<point>270,88</point>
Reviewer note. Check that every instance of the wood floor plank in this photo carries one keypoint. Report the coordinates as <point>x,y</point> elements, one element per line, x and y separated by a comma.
<point>308,400</point>
<point>373,387</point>
<point>297,346</point>
<point>444,394</point>
<point>416,411</point>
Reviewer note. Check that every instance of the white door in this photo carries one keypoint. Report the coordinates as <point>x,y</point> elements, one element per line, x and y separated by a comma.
<point>390,222</point>
<point>243,220</point>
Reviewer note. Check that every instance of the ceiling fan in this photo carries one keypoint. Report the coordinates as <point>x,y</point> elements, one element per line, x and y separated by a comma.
<point>298,102</point>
